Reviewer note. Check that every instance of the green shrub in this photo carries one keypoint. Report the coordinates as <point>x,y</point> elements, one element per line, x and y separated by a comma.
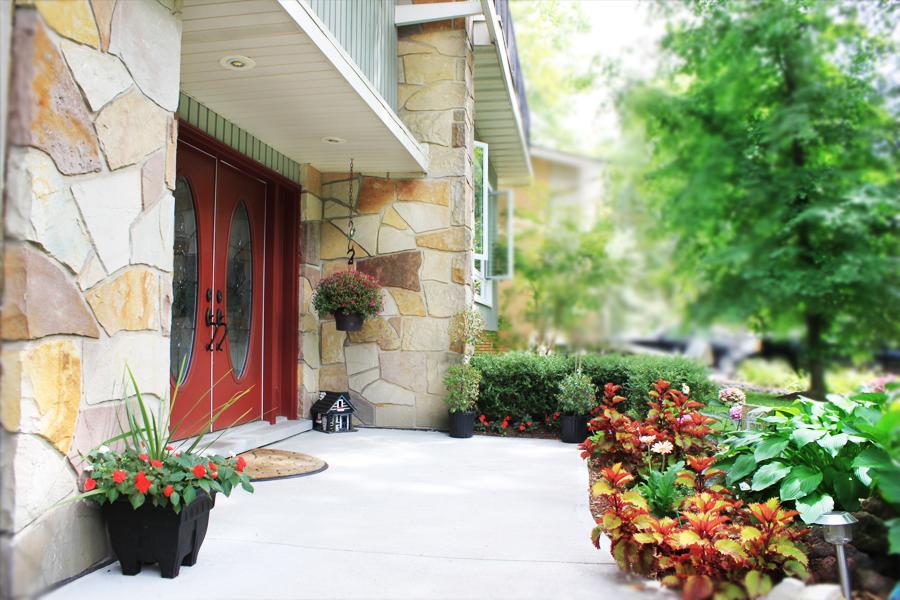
<point>461,382</point>
<point>577,394</point>
<point>518,383</point>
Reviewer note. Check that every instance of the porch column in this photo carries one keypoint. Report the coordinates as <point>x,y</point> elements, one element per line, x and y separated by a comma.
<point>87,261</point>
<point>415,236</point>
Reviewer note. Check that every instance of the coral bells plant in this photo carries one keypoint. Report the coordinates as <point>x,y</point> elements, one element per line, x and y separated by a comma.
<point>348,292</point>
<point>142,464</point>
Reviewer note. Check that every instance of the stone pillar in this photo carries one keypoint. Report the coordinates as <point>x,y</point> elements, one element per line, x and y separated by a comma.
<point>415,236</point>
<point>310,274</point>
<point>87,259</point>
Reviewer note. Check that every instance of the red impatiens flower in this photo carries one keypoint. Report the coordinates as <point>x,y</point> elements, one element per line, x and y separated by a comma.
<point>199,471</point>
<point>156,463</point>
<point>141,482</point>
<point>144,457</point>
<point>119,476</point>
<point>89,484</point>
<point>504,425</point>
<point>241,463</point>
<point>528,423</point>
<point>212,466</point>
<point>521,428</point>
<point>170,447</point>
<point>168,491</point>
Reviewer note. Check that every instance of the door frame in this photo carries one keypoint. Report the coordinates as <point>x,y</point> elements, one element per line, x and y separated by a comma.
<point>280,336</point>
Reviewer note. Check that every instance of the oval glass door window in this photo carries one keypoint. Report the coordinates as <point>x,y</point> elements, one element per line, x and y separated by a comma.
<point>239,285</point>
<point>184,280</point>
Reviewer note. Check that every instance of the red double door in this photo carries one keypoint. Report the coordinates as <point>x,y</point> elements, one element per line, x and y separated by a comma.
<point>220,295</point>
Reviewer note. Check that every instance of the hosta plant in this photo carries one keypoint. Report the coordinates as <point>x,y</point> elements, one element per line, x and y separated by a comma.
<point>878,420</point>
<point>806,453</point>
<point>143,465</point>
<point>349,292</point>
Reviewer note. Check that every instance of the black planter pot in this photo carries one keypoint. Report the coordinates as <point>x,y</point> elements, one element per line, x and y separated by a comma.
<point>573,428</point>
<point>153,534</point>
<point>462,424</point>
<point>348,321</point>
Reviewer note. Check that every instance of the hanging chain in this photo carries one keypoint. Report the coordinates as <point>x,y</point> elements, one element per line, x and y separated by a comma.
<point>351,228</point>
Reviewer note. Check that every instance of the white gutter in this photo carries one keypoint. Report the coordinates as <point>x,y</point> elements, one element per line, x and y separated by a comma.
<point>307,20</point>
<point>414,14</point>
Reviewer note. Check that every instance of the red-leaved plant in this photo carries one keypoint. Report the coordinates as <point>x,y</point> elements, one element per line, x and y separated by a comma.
<point>715,547</point>
<point>672,417</point>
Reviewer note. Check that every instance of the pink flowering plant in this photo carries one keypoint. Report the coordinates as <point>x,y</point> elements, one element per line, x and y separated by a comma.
<point>348,292</point>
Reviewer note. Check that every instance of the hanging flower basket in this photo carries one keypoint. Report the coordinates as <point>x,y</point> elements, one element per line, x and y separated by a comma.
<point>351,296</point>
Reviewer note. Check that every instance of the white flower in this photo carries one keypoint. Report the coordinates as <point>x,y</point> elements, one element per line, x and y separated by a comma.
<point>686,389</point>
<point>231,454</point>
<point>664,447</point>
<point>647,439</point>
<point>103,449</point>
<point>89,467</point>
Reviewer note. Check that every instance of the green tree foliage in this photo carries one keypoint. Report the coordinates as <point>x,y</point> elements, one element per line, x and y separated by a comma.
<point>544,33</point>
<point>772,160</point>
<point>568,274</point>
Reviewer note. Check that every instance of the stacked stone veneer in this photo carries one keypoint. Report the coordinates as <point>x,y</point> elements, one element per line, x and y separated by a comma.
<point>87,260</point>
<point>413,234</point>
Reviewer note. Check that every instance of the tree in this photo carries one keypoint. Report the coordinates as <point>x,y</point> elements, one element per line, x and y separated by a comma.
<point>772,160</point>
<point>568,276</point>
<point>544,34</point>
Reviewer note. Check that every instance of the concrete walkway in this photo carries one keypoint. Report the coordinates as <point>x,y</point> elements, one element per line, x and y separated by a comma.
<point>398,514</point>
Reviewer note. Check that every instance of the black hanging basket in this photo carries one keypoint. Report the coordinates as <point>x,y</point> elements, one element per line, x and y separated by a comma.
<point>348,321</point>
<point>155,534</point>
<point>462,424</point>
<point>573,428</point>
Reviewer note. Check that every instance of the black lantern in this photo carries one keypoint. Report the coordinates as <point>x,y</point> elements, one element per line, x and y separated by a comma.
<point>333,413</point>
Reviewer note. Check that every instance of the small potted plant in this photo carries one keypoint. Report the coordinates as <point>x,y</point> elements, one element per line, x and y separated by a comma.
<point>577,396</point>
<point>467,329</point>
<point>462,383</point>
<point>156,495</point>
<point>351,296</point>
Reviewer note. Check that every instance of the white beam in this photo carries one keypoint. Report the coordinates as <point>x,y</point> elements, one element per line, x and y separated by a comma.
<point>413,14</point>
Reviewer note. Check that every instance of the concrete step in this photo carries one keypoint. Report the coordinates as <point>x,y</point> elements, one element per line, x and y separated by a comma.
<point>251,435</point>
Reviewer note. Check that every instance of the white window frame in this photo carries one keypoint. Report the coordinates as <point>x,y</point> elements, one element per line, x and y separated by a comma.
<point>483,296</point>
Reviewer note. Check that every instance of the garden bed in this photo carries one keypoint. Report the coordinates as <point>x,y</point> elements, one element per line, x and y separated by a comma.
<point>691,499</point>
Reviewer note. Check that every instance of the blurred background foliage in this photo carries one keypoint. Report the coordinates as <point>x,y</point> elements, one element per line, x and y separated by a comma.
<point>752,182</point>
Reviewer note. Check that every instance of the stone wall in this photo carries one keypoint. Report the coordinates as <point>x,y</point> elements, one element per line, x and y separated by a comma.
<point>414,235</point>
<point>87,259</point>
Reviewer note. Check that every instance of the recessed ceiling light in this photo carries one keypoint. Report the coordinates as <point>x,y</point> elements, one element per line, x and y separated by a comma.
<point>330,139</point>
<point>237,62</point>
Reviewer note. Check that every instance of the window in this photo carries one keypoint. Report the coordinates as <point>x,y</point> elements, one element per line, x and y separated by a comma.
<point>481,226</point>
<point>492,256</point>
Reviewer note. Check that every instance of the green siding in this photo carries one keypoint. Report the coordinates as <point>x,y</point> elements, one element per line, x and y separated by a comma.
<point>365,28</point>
<point>227,132</point>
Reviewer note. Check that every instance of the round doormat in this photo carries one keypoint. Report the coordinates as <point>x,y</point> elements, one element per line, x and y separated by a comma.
<point>264,464</point>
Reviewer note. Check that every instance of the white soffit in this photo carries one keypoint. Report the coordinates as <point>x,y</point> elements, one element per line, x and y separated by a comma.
<point>498,120</point>
<point>303,87</point>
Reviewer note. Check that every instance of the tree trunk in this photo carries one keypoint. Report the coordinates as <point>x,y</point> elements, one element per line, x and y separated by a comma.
<point>815,356</point>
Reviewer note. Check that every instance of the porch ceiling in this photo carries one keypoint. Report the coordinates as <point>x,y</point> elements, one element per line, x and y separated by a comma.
<point>498,117</point>
<point>303,88</point>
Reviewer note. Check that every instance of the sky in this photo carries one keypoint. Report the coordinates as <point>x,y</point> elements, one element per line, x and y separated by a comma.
<point>623,32</point>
